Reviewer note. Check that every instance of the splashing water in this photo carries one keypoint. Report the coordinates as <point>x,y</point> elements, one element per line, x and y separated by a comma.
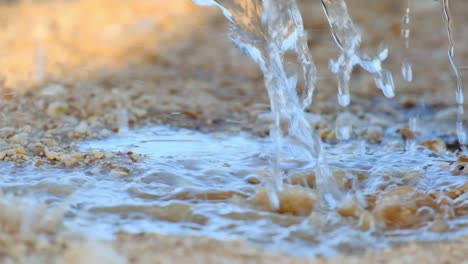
<point>348,38</point>
<point>265,31</point>
<point>406,68</point>
<point>459,93</point>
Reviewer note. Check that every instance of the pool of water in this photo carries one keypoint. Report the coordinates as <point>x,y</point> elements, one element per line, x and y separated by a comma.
<point>190,183</point>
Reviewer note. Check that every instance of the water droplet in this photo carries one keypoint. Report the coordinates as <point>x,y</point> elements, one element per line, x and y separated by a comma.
<point>407,71</point>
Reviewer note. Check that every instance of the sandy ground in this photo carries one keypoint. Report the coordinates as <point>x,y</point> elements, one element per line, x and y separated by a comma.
<point>74,70</point>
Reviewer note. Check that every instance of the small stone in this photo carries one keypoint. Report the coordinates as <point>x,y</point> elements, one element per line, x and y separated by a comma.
<point>439,225</point>
<point>38,163</point>
<point>457,168</point>
<point>462,158</point>
<point>373,133</point>
<point>78,155</point>
<point>53,89</point>
<point>406,133</point>
<point>52,155</point>
<point>19,139</point>
<point>140,113</point>
<point>36,149</point>
<point>134,157</point>
<point>328,135</point>
<point>365,221</point>
<point>98,155</point>
<point>20,151</point>
<point>95,170</point>
<point>57,109</point>
<point>50,142</point>
<point>7,132</point>
<point>350,207</point>
<point>436,145</point>
<point>408,102</point>
<point>69,161</point>
<point>82,128</point>
<point>398,208</point>
<point>252,179</point>
<point>293,200</point>
<point>306,179</point>
<point>118,173</point>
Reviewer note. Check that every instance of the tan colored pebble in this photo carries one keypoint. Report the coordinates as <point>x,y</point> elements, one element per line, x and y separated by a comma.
<point>37,149</point>
<point>406,133</point>
<point>118,173</point>
<point>439,225</point>
<point>19,139</point>
<point>373,133</point>
<point>98,155</point>
<point>252,179</point>
<point>398,208</point>
<point>444,165</point>
<point>457,168</point>
<point>139,112</point>
<point>20,151</point>
<point>365,221</point>
<point>328,135</point>
<point>57,109</point>
<point>306,179</point>
<point>436,145</point>
<point>50,142</point>
<point>134,157</point>
<point>349,207</point>
<point>462,158</point>
<point>69,161</point>
<point>7,132</point>
<point>78,155</point>
<point>82,128</point>
<point>52,155</point>
<point>95,170</point>
<point>294,200</point>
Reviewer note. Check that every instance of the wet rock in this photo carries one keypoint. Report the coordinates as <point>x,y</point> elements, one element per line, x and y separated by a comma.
<point>366,221</point>
<point>436,145</point>
<point>439,225</point>
<point>306,179</point>
<point>294,200</point>
<point>398,208</point>
<point>350,207</point>
<point>57,109</point>
<point>406,133</point>
<point>373,133</point>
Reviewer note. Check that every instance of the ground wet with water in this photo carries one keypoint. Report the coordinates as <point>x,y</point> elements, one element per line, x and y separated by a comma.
<point>212,184</point>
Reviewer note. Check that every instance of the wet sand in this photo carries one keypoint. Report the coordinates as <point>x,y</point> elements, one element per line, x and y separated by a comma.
<point>74,70</point>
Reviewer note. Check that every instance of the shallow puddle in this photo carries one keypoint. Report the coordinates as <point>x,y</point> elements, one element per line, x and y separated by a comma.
<point>189,183</point>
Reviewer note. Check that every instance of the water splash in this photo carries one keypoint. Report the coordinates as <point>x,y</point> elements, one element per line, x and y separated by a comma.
<point>461,132</point>
<point>265,31</point>
<point>348,38</point>
<point>406,68</point>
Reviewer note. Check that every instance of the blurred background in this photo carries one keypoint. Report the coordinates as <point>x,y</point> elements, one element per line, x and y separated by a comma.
<point>162,57</point>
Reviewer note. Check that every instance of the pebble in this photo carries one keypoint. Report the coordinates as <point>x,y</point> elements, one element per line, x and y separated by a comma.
<point>119,172</point>
<point>436,145</point>
<point>398,208</point>
<point>57,109</point>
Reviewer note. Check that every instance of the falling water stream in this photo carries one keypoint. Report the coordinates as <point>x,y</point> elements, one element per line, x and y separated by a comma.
<point>461,131</point>
<point>406,68</point>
